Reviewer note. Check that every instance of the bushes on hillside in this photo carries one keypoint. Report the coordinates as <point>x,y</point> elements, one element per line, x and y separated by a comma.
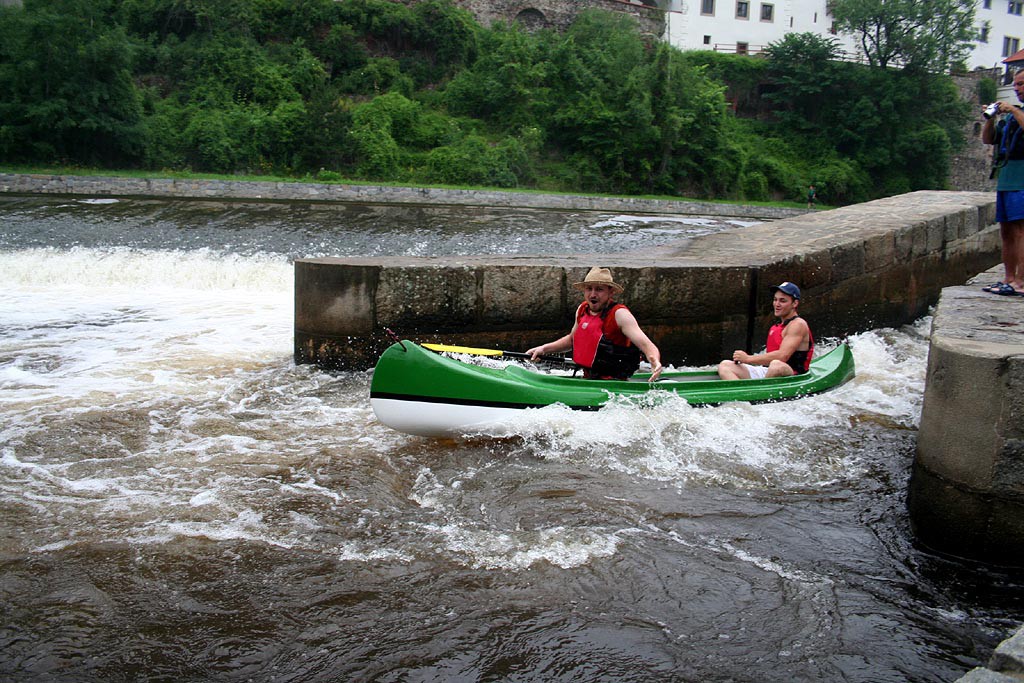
<point>420,93</point>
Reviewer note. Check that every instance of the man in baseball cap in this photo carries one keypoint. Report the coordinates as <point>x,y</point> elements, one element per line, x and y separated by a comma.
<point>790,343</point>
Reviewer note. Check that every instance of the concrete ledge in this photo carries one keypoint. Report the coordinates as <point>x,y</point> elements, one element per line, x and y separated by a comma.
<point>980,675</point>
<point>15,183</point>
<point>966,493</point>
<point>1009,655</point>
<point>875,264</point>
<point>1005,666</point>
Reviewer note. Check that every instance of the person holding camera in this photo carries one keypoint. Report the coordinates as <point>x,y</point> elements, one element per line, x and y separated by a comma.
<point>1004,128</point>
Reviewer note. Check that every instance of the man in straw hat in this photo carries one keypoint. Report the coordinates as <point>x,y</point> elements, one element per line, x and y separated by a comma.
<point>790,343</point>
<point>606,339</point>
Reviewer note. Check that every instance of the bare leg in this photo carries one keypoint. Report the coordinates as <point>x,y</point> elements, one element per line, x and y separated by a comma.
<point>1007,234</point>
<point>1013,253</point>
<point>729,369</point>
<point>779,369</point>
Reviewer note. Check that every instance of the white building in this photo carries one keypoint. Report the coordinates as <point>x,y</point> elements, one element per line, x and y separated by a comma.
<point>1000,32</point>
<point>747,26</point>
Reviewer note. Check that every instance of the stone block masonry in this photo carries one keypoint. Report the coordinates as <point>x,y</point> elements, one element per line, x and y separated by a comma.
<point>967,488</point>
<point>876,264</point>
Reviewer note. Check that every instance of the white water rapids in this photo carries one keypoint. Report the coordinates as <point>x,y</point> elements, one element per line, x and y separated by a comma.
<point>171,483</point>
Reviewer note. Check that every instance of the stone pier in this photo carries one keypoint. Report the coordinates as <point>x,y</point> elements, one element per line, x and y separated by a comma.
<point>967,487</point>
<point>875,264</point>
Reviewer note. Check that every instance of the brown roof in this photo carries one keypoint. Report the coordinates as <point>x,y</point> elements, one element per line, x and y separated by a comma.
<point>1017,56</point>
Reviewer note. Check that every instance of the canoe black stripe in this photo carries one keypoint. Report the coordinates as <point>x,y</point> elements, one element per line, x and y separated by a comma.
<point>467,402</point>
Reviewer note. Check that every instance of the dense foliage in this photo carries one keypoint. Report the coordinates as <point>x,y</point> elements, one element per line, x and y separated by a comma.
<point>932,34</point>
<point>378,90</point>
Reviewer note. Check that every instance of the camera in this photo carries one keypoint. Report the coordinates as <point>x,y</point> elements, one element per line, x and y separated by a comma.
<point>991,110</point>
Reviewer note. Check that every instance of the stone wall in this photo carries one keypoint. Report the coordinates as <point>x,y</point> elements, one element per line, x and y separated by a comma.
<point>967,487</point>
<point>876,264</point>
<point>971,167</point>
<point>559,14</point>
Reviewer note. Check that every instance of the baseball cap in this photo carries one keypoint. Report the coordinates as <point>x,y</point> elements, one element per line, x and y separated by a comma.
<point>787,288</point>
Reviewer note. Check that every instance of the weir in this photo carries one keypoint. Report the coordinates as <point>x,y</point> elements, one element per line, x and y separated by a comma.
<point>880,263</point>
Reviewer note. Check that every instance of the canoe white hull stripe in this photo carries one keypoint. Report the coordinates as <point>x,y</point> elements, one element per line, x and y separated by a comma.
<point>438,419</point>
<point>412,398</point>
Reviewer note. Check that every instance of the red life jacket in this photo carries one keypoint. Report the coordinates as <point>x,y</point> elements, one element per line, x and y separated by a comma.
<point>800,361</point>
<point>601,347</point>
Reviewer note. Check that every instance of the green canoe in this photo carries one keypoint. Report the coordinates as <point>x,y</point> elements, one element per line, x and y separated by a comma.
<point>417,391</point>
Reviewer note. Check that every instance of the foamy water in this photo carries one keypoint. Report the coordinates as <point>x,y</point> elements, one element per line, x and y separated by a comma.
<point>168,376</point>
<point>159,447</point>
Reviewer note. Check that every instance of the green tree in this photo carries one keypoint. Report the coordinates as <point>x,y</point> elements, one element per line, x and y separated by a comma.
<point>931,35</point>
<point>381,90</point>
<point>447,34</point>
<point>508,83</point>
<point>804,78</point>
<point>742,76</point>
<point>66,79</point>
<point>646,118</point>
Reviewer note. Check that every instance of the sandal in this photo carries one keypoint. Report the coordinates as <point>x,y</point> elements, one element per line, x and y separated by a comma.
<point>994,287</point>
<point>1006,290</point>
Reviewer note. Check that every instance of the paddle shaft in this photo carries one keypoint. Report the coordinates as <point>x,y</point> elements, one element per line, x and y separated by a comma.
<point>547,359</point>
<point>441,348</point>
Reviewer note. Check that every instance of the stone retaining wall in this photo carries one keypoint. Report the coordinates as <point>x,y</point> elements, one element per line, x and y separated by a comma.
<point>171,188</point>
<point>559,14</point>
<point>875,264</point>
<point>971,166</point>
<point>967,488</point>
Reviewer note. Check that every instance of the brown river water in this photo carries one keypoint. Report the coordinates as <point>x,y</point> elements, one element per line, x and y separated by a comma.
<point>180,502</point>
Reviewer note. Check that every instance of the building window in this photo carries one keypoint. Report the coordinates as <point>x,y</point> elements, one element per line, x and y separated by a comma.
<point>707,40</point>
<point>1010,45</point>
<point>767,12</point>
<point>742,48</point>
<point>815,17</point>
<point>707,7</point>
<point>742,9</point>
<point>983,36</point>
<point>987,4</point>
<point>1015,7</point>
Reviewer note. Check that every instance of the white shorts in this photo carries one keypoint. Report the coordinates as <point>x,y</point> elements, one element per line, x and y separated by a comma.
<point>756,371</point>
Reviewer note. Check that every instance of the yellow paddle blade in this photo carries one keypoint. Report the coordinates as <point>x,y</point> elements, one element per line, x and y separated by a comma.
<point>441,348</point>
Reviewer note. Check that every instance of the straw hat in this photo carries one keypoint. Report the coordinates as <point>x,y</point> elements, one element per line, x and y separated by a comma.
<point>599,276</point>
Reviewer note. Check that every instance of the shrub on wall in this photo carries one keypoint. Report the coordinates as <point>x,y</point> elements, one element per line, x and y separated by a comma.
<point>987,91</point>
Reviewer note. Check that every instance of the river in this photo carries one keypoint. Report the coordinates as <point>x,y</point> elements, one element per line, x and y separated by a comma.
<point>179,501</point>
